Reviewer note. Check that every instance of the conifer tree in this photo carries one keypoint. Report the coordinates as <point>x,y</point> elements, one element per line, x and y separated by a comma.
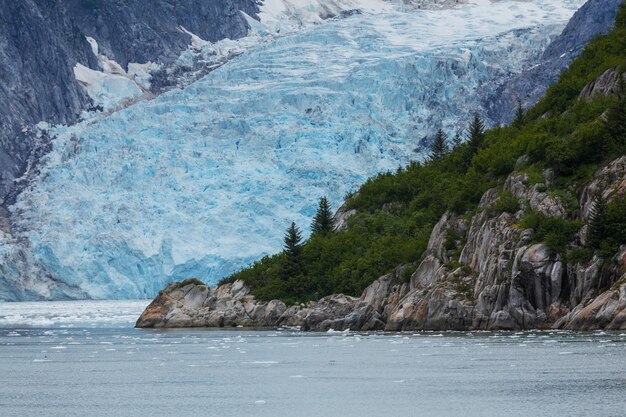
<point>520,115</point>
<point>475,138</point>
<point>597,219</point>
<point>439,147</point>
<point>323,220</point>
<point>457,140</point>
<point>293,252</point>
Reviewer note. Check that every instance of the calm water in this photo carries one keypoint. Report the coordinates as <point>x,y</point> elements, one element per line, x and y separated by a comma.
<point>85,359</point>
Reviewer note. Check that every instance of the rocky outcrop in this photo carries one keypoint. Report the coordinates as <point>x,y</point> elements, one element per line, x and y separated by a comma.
<point>340,219</point>
<point>607,84</point>
<point>606,310</point>
<point>609,181</point>
<point>485,274</point>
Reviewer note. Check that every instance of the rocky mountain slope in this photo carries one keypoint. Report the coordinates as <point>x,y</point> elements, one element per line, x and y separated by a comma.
<point>200,181</point>
<point>593,18</point>
<point>41,41</point>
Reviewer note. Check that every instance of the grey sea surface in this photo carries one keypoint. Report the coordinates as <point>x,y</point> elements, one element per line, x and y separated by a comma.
<point>85,359</point>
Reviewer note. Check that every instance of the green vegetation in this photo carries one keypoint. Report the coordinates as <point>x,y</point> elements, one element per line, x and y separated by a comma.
<point>323,220</point>
<point>553,231</point>
<point>506,203</point>
<point>439,147</point>
<point>607,226</point>
<point>396,212</point>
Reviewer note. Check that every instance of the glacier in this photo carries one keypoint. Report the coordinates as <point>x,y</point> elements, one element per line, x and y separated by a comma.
<point>203,180</point>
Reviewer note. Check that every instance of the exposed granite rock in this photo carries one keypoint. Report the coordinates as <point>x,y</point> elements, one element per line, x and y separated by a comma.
<point>608,182</point>
<point>607,310</point>
<point>340,219</point>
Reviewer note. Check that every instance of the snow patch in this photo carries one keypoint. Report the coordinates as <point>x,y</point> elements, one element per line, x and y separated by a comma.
<point>106,90</point>
<point>111,87</point>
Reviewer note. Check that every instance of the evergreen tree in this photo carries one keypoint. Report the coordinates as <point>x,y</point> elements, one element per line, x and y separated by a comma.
<point>475,138</point>
<point>520,115</point>
<point>439,147</point>
<point>597,219</point>
<point>293,264</point>
<point>457,140</point>
<point>323,220</point>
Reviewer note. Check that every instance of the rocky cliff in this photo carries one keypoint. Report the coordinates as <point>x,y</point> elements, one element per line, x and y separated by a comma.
<point>41,41</point>
<point>490,275</point>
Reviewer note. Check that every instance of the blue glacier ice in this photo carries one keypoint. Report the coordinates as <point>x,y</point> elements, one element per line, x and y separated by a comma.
<point>201,181</point>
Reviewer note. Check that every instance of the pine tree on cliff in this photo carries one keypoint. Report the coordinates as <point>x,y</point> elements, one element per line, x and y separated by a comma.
<point>475,138</point>
<point>323,220</point>
<point>597,219</point>
<point>439,147</point>
<point>520,115</point>
<point>293,264</point>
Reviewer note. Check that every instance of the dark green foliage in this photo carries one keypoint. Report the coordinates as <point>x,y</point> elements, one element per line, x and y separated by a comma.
<point>452,237</point>
<point>555,232</point>
<point>323,220</point>
<point>597,223</point>
<point>457,140</point>
<point>396,211</point>
<point>439,147</point>
<point>506,203</point>
<point>292,263</point>
<point>579,255</point>
<point>520,116</point>
<point>615,123</point>
<point>614,227</point>
<point>475,138</point>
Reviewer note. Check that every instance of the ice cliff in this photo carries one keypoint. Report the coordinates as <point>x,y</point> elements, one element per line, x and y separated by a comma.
<point>202,180</point>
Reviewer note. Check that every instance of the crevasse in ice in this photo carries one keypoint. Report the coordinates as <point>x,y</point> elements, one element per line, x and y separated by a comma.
<point>201,181</point>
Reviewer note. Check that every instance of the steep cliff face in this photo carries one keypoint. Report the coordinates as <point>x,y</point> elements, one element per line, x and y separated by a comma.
<point>498,280</point>
<point>41,41</point>
<point>594,18</point>
<point>38,50</point>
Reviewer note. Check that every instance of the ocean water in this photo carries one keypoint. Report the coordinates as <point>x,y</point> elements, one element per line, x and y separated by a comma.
<point>85,359</point>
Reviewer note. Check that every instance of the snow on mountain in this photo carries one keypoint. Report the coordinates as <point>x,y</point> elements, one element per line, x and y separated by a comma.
<point>203,180</point>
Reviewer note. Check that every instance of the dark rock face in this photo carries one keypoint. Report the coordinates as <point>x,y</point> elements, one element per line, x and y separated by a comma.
<point>42,40</point>
<point>38,48</point>
<point>148,30</point>
<point>594,18</point>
